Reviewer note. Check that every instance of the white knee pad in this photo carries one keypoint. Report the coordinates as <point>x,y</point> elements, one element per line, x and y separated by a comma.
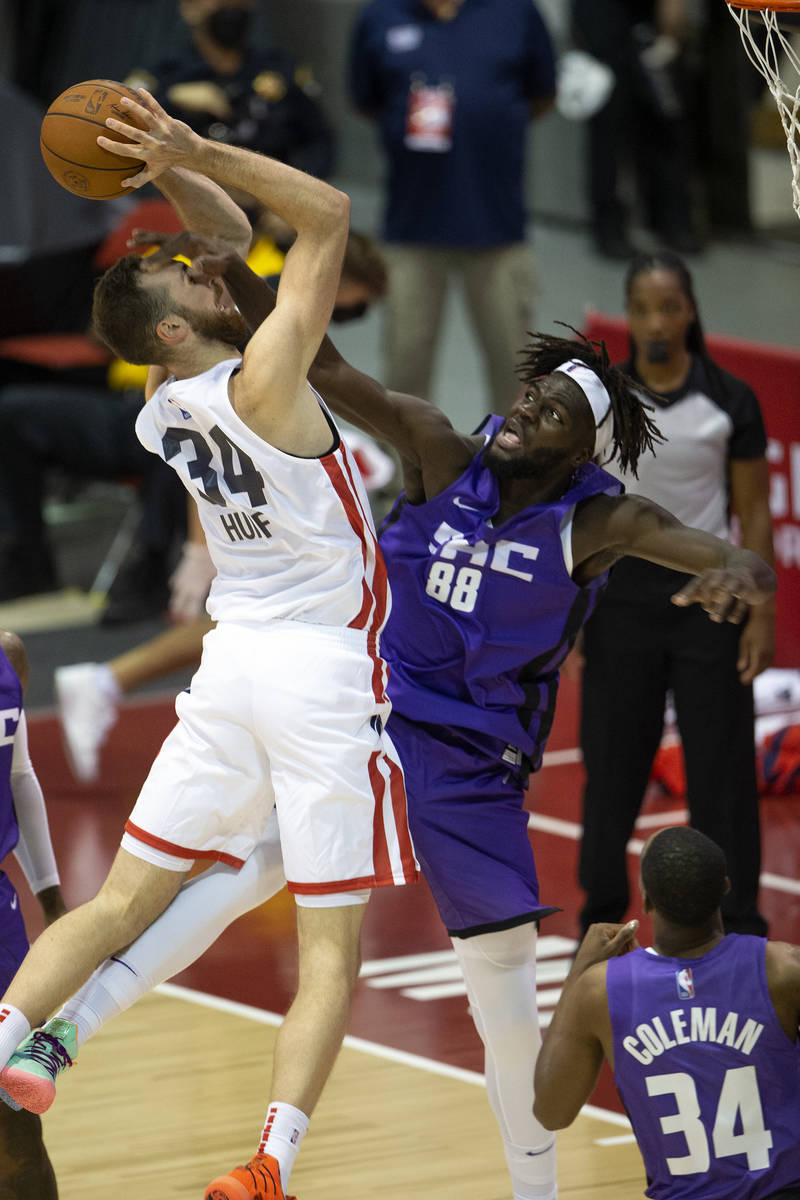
<point>500,973</point>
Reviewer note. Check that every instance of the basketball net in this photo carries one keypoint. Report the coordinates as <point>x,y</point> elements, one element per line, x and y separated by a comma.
<point>771,57</point>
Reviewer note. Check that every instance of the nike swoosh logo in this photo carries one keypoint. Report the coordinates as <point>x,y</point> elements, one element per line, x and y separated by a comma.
<point>14,903</point>
<point>459,503</point>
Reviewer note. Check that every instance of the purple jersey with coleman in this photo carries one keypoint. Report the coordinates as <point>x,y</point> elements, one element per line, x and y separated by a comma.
<point>482,619</point>
<point>13,941</point>
<point>710,1079</point>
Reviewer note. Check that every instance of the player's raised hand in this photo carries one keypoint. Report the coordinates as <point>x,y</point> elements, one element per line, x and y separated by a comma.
<point>725,593</point>
<point>209,256</point>
<point>604,940</point>
<point>164,142</point>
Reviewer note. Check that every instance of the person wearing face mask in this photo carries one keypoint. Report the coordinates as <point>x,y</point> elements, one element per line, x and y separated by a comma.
<point>230,90</point>
<point>452,87</point>
<point>711,466</point>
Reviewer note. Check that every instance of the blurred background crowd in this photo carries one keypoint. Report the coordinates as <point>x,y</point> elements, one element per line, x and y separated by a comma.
<point>505,159</point>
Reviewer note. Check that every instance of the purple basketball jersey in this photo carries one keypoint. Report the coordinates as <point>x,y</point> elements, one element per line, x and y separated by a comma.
<point>483,616</point>
<point>10,709</point>
<point>709,1078</point>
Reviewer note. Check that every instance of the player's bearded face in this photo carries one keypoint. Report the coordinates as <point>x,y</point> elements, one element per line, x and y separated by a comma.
<point>222,325</point>
<point>531,465</point>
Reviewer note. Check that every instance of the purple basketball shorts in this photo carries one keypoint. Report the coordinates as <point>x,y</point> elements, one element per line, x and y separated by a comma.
<point>470,830</point>
<point>13,940</point>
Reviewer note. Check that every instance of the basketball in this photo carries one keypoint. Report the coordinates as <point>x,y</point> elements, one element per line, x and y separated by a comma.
<point>68,139</point>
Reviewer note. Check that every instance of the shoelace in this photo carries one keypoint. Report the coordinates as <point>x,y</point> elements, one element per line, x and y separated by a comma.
<point>48,1052</point>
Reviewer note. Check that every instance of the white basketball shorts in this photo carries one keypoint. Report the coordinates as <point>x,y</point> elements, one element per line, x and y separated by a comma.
<point>289,715</point>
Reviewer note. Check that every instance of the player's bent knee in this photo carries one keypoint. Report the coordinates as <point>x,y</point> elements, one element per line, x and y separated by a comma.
<point>506,949</point>
<point>134,894</point>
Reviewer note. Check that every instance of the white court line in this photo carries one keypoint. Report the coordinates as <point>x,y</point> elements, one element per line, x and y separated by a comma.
<point>407,962</point>
<point>767,879</point>
<point>432,1065</point>
<point>652,820</point>
<point>572,830</point>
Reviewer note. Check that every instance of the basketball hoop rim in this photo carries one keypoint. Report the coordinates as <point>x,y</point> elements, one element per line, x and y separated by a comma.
<point>766,5</point>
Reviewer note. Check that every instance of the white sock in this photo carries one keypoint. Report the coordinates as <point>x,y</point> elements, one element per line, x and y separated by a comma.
<point>500,973</point>
<point>14,1027</point>
<point>284,1130</point>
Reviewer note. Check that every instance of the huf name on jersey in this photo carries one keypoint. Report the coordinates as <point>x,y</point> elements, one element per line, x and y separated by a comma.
<point>291,538</point>
<point>243,527</point>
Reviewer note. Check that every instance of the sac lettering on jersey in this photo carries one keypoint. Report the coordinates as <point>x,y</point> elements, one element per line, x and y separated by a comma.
<point>484,616</point>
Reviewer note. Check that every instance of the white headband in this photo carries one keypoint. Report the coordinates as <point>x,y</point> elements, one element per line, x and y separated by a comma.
<point>599,401</point>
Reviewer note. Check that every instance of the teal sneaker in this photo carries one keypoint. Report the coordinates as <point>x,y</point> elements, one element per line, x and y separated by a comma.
<point>29,1076</point>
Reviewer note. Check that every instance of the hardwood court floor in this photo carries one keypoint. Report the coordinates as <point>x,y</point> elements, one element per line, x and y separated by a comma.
<point>171,1094</point>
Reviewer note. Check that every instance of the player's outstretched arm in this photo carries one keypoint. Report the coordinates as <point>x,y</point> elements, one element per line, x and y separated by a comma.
<point>419,431</point>
<point>579,1035</point>
<point>202,205</point>
<point>727,579</point>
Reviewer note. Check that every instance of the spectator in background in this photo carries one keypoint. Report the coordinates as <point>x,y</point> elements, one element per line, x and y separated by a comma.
<point>452,85</point>
<point>725,88</point>
<point>636,647</point>
<point>89,433</point>
<point>643,122</point>
<point>52,415</point>
<point>229,90</point>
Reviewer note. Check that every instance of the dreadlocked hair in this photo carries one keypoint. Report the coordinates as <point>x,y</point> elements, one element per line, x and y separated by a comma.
<point>634,430</point>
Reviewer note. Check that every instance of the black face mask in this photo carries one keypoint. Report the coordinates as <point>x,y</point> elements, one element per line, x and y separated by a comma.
<point>230,27</point>
<point>349,312</point>
<point>657,351</point>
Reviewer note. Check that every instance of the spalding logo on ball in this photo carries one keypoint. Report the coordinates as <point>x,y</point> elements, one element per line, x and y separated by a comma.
<point>68,139</point>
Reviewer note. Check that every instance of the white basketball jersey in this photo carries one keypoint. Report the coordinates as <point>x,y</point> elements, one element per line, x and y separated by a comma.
<point>291,538</point>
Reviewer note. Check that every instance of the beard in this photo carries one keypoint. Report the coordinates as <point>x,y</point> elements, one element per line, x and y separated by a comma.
<point>227,326</point>
<point>532,465</point>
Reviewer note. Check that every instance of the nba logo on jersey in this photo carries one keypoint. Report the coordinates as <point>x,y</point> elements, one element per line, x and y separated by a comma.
<point>685,984</point>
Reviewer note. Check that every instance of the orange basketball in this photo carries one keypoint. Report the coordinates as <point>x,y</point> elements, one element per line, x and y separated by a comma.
<point>68,139</point>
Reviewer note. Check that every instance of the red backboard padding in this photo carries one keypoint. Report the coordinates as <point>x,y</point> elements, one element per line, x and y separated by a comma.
<point>773,372</point>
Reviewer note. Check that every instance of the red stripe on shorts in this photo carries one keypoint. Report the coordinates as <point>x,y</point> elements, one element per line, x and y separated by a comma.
<point>158,843</point>
<point>339,885</point>
<point>378,689</point>
<point>380,846</point>
<point>400,810</point>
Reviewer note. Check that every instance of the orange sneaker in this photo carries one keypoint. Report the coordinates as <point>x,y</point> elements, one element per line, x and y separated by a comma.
<point>259,1180</point>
